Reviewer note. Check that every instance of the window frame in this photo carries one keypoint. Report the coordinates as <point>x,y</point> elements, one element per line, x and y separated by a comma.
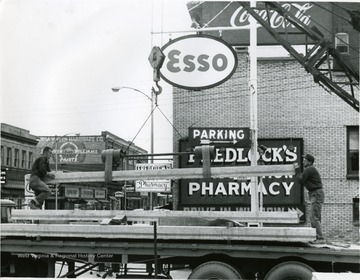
<point>351,174</point>
<point>17,158</point>
<point>356,211</point>
<point>8,156</point>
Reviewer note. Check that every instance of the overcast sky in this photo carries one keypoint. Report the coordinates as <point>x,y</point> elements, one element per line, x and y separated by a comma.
<point>60,59</point>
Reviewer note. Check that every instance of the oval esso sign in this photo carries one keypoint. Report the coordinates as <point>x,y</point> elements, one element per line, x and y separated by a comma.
<point>197,62</point>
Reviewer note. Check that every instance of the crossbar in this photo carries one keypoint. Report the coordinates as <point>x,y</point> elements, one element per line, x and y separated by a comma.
<point>278,234</point>
<point>179,173</point>
<point>290,217</point>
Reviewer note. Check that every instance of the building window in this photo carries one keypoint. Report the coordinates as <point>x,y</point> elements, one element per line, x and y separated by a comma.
<point>30,160</point>
<point>353,152</point>
<point>16,161</point>
<point>2,156</point>
<point>356,211</point>
<point>342,42</point>
<point>23,159</point>
<point>8,156</point>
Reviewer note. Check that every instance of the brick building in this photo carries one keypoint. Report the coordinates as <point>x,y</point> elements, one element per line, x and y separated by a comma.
<point>293,111</point>
<point>19,149</point>
<point>82,153</point>
<point>18,152</point>
<point>290,105</point>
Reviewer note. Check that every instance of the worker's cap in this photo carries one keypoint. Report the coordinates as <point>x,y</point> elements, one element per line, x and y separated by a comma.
<point>309,157</point>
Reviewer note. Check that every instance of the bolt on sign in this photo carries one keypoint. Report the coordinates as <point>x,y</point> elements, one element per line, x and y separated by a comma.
<point>280,193</point>
<point>198,62</point>
<point>153,185</point>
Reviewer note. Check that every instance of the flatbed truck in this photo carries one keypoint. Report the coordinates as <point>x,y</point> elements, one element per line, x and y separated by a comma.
<point>213,249</point>
<point>213,244</point>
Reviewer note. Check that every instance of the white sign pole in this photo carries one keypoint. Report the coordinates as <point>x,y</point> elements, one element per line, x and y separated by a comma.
<point>253,107</point>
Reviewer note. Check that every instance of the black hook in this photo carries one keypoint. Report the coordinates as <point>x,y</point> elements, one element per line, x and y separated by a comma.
<point>157,92</point>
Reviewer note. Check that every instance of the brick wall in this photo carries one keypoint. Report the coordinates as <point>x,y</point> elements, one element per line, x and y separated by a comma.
<point>290,104</point>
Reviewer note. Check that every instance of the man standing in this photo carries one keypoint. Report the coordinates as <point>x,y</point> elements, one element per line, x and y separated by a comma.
<point>40,169</point>
<point>311,179</point>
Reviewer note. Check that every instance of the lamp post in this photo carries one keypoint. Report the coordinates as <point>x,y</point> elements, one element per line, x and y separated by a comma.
<point>117,89</point>
<point>56,164</point>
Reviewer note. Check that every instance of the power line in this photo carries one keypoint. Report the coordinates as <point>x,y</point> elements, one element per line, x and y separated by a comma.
<point>340,7</point>
<point>132,141</point>
<point>170,122</point>
<point>330,32</point>
<point>332,12</point>
<point>219,13</point>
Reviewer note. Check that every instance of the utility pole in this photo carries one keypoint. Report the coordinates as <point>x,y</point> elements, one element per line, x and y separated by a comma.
<point>253,108</point>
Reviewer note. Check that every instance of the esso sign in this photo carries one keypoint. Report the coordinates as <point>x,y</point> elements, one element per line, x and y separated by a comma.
<point>198,62</point>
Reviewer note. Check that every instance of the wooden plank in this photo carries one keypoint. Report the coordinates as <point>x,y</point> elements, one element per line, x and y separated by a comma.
<point>181,173</point>
<point>279,234</point>
<point>290,217</point>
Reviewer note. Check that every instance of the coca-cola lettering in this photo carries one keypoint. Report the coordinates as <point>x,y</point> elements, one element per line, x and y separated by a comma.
<point>241,17</point>
<point>192,63</point>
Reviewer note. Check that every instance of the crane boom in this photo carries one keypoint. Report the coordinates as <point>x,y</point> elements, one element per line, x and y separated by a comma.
<point>317,59</point>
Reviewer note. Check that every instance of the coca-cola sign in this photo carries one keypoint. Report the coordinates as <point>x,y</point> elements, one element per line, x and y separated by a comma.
<point>198,62</point>
<point>240,17</point>
<point>226,14</point>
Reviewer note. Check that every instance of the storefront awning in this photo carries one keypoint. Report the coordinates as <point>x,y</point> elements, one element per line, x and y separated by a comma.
<point>102,200</point>
<point>91,201</point>
<point>134,198</point>
<point>18,186</point>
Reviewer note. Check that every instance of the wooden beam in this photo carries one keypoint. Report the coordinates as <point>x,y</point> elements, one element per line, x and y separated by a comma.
<point>290,217</point>
<point>181,173</point>
<point>278,234</point>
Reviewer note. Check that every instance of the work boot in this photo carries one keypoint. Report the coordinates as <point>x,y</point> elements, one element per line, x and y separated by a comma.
<point>32,205</point>
<point>319,241</point>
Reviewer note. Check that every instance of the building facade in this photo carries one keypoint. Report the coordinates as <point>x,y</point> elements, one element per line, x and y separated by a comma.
<point>82,153</point>
<point>18,152</point>
<point>290,107</point>
<point>71,153</point>
<point>295,116</point>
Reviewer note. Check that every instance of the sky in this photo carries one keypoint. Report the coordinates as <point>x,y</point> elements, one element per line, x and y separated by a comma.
<point>60,59</point>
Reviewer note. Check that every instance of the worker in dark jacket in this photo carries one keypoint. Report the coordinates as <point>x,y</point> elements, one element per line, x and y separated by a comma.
<point>40,169</point>
<point>311,179</point>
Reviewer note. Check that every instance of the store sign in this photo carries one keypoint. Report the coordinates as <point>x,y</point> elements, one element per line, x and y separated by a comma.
<point>232,14</point>
<point>119,194</point>
<point>72,192</point>
<point>28,192</point>
<point>220,135</point>
<point>234,194</point>
<point>100,194</point>
<point>153,185</point>
<point>198,62</point>
<point>87,193</point>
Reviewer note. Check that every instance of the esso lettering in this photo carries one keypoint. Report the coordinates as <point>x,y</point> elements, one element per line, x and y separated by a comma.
<point>191,63</point>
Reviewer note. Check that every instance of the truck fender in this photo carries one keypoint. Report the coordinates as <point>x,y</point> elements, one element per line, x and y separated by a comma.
<point>290,270</point>
<point>215,270</point>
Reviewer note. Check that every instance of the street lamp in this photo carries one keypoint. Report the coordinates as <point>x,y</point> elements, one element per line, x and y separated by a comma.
<point>117,89</point>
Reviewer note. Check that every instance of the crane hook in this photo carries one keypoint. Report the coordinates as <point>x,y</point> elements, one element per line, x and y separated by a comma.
<point>157,92</point>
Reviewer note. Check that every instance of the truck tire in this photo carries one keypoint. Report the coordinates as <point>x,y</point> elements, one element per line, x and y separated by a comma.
<point>290,271</point>
<point>215,270</point>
